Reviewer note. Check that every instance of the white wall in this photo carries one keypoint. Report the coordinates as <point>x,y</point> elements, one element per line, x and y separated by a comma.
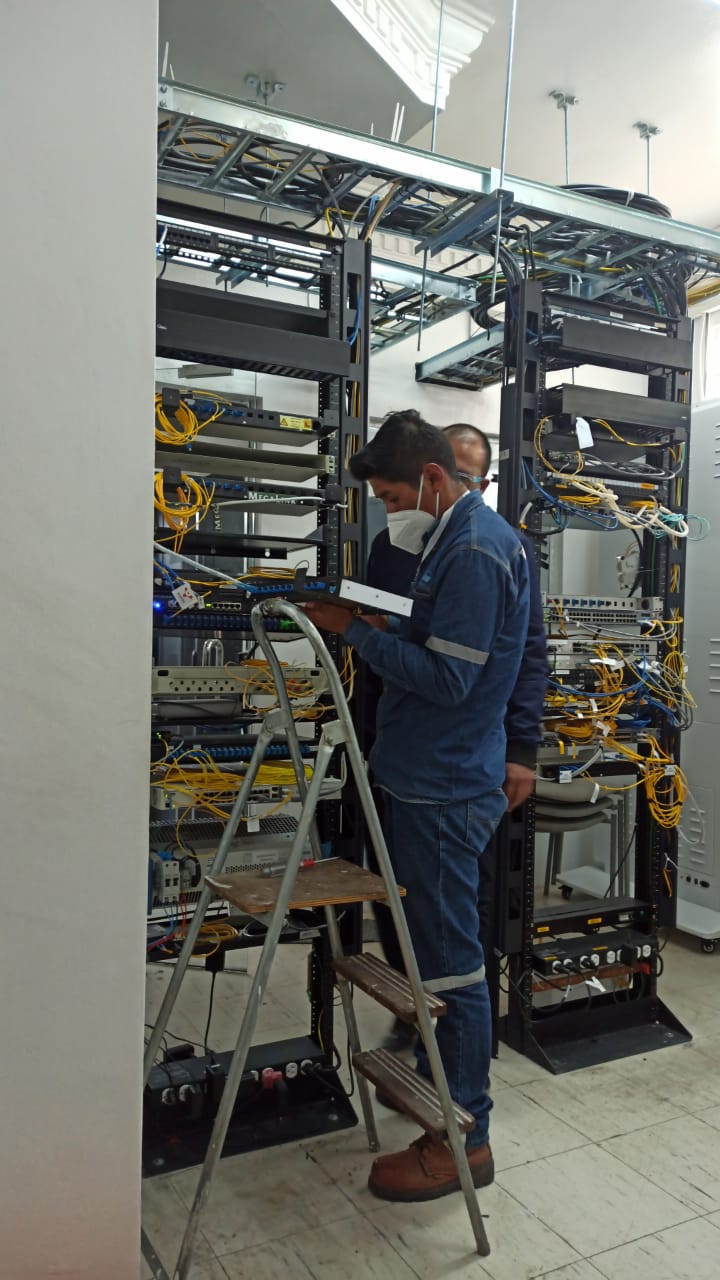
<point>76,261</point>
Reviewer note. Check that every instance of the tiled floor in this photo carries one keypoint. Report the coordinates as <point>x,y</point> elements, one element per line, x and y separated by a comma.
<point>601,1173</point>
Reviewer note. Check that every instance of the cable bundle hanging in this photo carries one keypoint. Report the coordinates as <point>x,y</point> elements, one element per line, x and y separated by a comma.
<point>182,427</point>
<point>193,503</point>
<point>598,497</point>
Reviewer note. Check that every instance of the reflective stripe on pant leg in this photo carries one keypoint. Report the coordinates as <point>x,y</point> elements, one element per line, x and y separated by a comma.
<point>455,981</point>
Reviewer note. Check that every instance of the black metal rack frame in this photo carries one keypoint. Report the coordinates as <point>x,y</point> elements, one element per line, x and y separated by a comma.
<point>548,331</point>
<point>326,341</point>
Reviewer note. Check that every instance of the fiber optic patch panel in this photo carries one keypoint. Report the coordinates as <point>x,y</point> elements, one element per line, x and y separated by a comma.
<point>229,618</point>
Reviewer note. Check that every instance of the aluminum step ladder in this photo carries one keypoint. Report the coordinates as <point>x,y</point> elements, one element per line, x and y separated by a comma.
<point>330,882</point>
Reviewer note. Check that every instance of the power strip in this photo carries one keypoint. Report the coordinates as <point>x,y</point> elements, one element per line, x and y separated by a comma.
<point>583,954</point>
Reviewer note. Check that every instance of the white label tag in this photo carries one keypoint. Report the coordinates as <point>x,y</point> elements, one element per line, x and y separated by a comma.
<point>583,433</point>
<point>184,596</point>
<point>252,825</point>
<point>565,775</point>
<point>670,770</point>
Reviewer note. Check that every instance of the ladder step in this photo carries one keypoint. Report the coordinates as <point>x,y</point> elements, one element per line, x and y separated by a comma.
<point>390,988</point>
<point>409,1092</point>
<point>326,883</point>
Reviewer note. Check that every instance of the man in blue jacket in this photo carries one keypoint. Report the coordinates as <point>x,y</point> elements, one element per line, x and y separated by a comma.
<point>439,754</point>
<point>392,569</point>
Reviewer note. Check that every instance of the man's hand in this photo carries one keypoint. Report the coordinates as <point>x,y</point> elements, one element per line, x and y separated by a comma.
<point>332,617</point>
<point>328,617</point>
<point>519,784</point>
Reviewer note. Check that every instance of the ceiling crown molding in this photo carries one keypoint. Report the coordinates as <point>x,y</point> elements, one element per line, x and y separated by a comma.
<point>407,41</point>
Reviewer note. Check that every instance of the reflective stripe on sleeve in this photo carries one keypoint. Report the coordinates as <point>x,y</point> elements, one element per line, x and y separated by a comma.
<point>452,650</point>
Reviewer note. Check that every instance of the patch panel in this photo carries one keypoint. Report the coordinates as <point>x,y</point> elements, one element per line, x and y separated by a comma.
<point>236,752</point>
<point>216,681</point>
<point>225,619</point>
<point>584,650</point>
<point>638,488</point>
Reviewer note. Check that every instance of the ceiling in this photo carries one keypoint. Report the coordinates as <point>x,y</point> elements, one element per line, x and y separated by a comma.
<point>625,60</point>
<point>330,71</point>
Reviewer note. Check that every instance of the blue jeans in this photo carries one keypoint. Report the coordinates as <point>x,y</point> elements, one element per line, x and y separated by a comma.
<point>435,851</point>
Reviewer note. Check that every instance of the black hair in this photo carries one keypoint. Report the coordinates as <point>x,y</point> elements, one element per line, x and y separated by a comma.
<point>465,431</point>
<point>404,444</point>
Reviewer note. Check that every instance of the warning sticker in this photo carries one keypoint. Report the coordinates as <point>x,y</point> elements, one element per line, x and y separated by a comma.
<point>296,424</point>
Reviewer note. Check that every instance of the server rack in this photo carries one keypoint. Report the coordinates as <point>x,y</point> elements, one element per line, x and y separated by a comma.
<point>549,332</point>
<point>320,335</point>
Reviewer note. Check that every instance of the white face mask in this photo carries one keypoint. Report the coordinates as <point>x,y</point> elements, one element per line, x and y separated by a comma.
<point>407,529</point>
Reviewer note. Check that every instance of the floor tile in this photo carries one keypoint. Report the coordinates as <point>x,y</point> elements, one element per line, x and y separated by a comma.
<point>274,1021</point>
<point>583,1270</point>
<point>273,1260</point>
<point>345,1158</point>
<point>352,1249</point>
<point>681,1156</point>
<point>521,1131</point>
<point>711,1116</point>
<point>263,1196</point>
<point>698,1017</point>
<point>602,1102</point>
<point>589,1198</point>
<point>164,1221</point>
<point>513,1068</point>
<point>687,1076</point>
<point>686,1252</point>
<point>706,992</point>
<point>289,966</point>
<point>436,1239</point>
<point>709,1047</point>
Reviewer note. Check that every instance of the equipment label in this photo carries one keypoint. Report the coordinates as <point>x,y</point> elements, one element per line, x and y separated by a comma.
<point>296,424</point>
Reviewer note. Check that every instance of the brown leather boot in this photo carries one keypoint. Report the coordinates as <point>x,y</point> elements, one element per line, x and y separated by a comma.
<point>426,1170</point>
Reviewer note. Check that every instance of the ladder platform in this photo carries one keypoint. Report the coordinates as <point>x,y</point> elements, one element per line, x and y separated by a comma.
<point>390,988</point>
<point>409,1092</point>
<point>330,882</point>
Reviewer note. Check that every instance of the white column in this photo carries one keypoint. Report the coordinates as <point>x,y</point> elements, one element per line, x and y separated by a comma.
<point>77,83</point>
